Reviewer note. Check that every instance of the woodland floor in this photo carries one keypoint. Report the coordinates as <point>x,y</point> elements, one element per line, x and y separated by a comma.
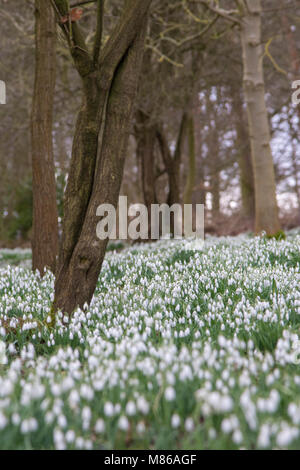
<point>180,349</point>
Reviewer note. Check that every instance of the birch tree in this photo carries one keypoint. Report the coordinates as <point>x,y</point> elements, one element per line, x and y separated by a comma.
<point>247,17</point>
<point>266,210</point>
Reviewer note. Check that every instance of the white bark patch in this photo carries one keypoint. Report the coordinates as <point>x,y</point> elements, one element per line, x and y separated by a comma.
<point>2,92</point>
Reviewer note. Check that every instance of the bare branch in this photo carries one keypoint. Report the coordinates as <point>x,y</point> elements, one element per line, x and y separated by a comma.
<point>99,30</point>
<point>74,36</point>
<point>124,33</point>
<point>227,14</point>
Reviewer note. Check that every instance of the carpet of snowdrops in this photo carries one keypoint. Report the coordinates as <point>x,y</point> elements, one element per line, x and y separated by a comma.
<point>179,349</point>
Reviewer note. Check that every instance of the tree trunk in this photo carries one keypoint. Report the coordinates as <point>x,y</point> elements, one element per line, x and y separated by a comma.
<point>214,158</point>
<point>266,210</point>
<point>215,191</point>
<point>191,178</point>
<point>45,217</point>
<point>292,48</point>
<point>172,162</point>
<point>146,135</point>
<point>110,80</point>
<point>295,165</point>
<point>244,160</point>
<point>200,191</point>
<point>172,165</point>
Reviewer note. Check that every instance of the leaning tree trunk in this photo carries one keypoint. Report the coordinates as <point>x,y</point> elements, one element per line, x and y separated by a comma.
<point>45,218</point>
<point>109,80</point>
<point>266,210</point>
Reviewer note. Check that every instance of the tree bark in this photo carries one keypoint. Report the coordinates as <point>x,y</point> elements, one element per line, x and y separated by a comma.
<point>191,178</point>
<point>109,80</point>
<point>295,165</point>
<point>146,137</point>
<point>266,210</point>
<point>292,48</point>
<point>45,217</point>
<point>172,162</point>
<point>214,158</point>
<point>215,192</point>
<point>200,191</point>
<point>172,165</point>
<point>244,160</point>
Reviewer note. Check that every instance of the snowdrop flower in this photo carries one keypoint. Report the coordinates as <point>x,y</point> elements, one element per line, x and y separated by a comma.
<point>100,426</point>
<point>86,414</point>
<point>11,348</point>
<point>237,437</point>
<point>189,425</point>
<point>70,436</point>
<point>123,423</point>
<point>109,409</point>
<point>74,399</point>
<point>175,421</point>
<point>264,436</point>
<point>15,419</point>
<point>286,435</point>
<point>62,421</point>
<point>140,428</point>
<point>170,394</point>
<point>29,425</point>
<point>3,357</point>
<point>3,421</point>
<point>79,442</point>
<point>142,405</point>
<point>226,426</point>
<point>130,408</point>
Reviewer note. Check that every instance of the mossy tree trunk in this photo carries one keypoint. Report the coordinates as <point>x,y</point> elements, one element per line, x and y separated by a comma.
<point>109,81</point>
<point>45,217</point>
